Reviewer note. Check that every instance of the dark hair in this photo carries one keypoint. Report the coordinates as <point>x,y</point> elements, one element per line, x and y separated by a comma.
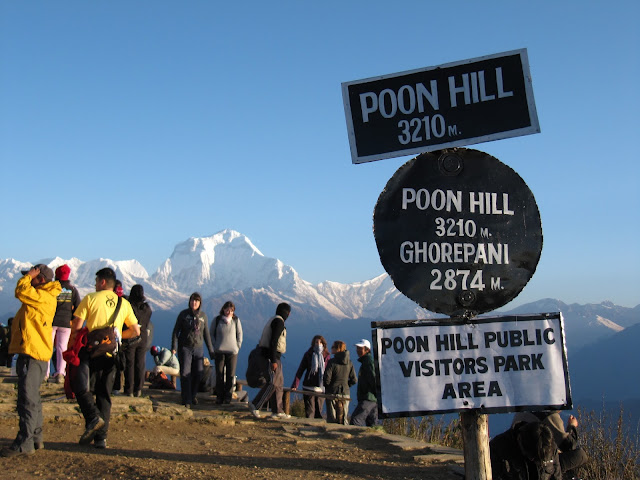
<point>228,304</point>
<point>536,442</point>
<point>322,341</point>
<point>108,275</point>
<point>283,310</point>
<point>137,294</point>
<point>195,296</point>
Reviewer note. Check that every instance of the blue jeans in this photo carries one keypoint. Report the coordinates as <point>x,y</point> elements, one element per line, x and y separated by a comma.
<point>30,375</point>
<point>365,414</point>
<point>191,366</point>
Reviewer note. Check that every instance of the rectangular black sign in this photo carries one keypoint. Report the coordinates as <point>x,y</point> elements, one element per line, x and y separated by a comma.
<point>452,105</point>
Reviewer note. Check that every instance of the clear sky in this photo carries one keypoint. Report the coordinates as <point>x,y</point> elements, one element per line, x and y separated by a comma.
<point>128,127</point>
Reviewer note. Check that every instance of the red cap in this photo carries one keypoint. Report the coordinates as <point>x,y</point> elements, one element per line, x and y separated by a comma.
<point>62,272</point>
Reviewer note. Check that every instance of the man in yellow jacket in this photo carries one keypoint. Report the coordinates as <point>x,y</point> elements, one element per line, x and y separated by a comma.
<point>31,333</point>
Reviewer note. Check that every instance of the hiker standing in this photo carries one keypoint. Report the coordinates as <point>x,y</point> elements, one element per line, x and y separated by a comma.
<point>31,340</point>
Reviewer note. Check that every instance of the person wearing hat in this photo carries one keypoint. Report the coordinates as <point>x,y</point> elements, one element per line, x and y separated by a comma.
<point>100,309</point>
<point>166,362</point>
<point>189,334</point>
<point>31,341</point>
<point>366,412</point>
<point>68,301</point>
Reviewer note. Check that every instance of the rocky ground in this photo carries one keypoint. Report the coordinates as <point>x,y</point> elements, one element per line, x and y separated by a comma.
<point>153,437</point>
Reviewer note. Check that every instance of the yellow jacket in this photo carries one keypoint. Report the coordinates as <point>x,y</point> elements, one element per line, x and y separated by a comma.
<point>31,328</point>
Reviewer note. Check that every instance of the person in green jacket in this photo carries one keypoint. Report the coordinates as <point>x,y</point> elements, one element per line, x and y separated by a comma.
<point>366,412</point>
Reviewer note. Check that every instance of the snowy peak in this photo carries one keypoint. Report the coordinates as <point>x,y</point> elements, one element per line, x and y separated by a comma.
<point>226,261</point>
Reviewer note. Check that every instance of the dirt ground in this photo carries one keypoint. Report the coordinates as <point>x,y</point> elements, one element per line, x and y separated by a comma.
<point>153,437</point>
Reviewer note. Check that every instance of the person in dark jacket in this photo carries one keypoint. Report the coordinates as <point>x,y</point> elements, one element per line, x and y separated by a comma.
<point>273,343</point>
<point>525,452</point>
<point>339,377</point>
<point>68,301</point>
<point>366,412</point>
<point>571,454</point>
<point>136,353</point>
<point>314,363</point>
<point>189,334</point>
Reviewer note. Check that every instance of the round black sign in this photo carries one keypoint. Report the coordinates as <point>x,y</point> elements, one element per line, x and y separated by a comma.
<point>458,231</point>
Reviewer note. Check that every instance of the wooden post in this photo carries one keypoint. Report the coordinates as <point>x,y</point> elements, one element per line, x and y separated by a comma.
<point>286,401</point>
<point>475,437</point>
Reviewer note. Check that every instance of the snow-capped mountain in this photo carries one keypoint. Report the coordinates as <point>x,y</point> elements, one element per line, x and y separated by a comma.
<point>225,263</point>
<point>228,265</point>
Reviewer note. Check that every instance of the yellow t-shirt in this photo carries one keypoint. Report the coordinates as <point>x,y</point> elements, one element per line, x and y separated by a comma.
<point>96,310</point>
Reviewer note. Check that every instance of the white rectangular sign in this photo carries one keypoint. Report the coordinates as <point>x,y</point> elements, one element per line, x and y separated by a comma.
<point>494,364</point>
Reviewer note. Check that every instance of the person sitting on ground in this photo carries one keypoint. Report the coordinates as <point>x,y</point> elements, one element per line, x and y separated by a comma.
<point>572,455</point>
<point>339,376</point>
<point>526,451</point>
<point>165,361</point>
<point>314,362</point>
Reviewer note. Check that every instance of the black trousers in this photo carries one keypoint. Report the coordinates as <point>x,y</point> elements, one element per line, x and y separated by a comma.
<point>100,373</point>
<point>225,371</point>
<point>134,368</point>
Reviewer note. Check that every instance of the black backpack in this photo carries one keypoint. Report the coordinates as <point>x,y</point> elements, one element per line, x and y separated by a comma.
<point>257,369</point>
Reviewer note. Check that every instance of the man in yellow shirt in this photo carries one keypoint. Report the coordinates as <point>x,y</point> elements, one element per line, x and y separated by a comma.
<point>31,340</point>
<point>96,309</point>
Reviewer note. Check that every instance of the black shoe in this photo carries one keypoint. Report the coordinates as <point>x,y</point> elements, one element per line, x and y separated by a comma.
<point>91,430</point>
<point>219,401</point>
<point>101,443</point>
<point>38,445</point>
<point>12,452</point>
<point>138,394</point>
<point>187,406</point>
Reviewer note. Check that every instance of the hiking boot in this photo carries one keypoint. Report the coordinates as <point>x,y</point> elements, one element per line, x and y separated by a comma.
<point>60,378</point>
<point>100,443</point>
<point>254,411</point>
<point>14,452</point>
<point>91,430</point>
<point>38,444</point>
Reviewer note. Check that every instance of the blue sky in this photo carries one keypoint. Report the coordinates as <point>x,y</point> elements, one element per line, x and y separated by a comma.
<point>128,127</point>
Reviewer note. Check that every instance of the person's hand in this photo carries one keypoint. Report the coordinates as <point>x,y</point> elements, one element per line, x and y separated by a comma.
<point>33,272</point>
<point>573,421</point>
<point>274,366</point>
<point>295,384</point>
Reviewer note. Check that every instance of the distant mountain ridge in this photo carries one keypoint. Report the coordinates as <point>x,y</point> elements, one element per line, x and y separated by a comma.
<point>601,338</point>
<point>228,265</point>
